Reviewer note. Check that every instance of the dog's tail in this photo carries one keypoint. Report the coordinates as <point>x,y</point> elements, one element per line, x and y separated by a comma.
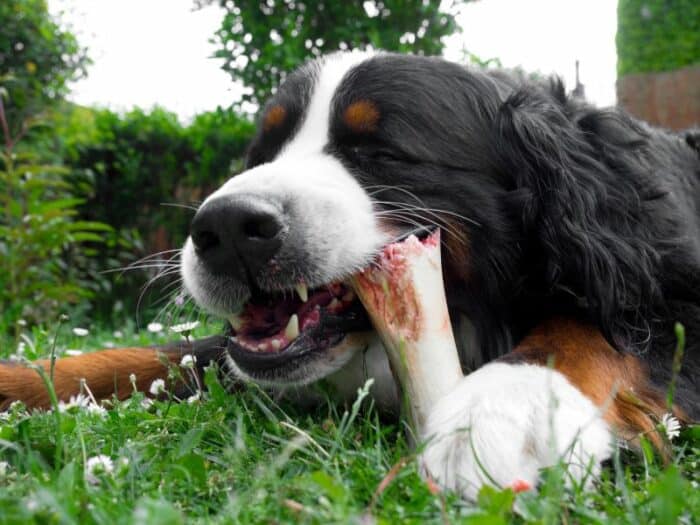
<point>106,373</point>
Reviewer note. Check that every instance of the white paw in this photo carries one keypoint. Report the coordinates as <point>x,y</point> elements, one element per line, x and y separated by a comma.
<point>504,422</point>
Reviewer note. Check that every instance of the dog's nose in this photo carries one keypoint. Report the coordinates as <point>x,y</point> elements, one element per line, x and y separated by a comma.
<point>230,232</point>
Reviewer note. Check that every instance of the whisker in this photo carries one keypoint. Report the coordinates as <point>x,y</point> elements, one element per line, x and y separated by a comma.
<point>178,205</point>
<point>445,226</point>
<point>401,189</point>
<point>146,287</point>
<point>148,262</point>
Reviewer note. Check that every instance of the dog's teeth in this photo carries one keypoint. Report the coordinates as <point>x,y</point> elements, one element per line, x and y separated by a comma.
<point>334,304</point>
<point>291,332</point>
<point>302,291</point>
<point>276,344</point>
<point>262,347</point>
<point>236,321</point>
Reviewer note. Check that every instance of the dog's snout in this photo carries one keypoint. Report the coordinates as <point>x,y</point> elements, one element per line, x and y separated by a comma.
<point>237,236</point>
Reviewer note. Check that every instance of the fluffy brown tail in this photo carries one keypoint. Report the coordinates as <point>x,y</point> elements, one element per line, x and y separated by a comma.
<point>106,372</point>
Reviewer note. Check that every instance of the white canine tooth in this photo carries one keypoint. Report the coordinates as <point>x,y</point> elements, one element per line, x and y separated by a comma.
<point>276,344</point>
<point>262,347</point>
<point>235,321</point>
<point>291,332</point>
<point>302,291</point>
<point>334,304</point>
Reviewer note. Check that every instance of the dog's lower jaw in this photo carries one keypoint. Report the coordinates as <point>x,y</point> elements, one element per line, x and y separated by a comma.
<point>503,423</point>
<point>312,368</point>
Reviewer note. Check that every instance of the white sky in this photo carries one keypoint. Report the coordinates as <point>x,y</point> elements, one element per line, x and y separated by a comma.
<point>149,52</point>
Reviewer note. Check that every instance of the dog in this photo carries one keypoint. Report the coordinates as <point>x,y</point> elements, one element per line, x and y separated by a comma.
<point>571,248</point>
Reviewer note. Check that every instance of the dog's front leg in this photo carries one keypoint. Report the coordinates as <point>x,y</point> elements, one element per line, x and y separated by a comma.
<point>105,372</point>
<point>560,396</point>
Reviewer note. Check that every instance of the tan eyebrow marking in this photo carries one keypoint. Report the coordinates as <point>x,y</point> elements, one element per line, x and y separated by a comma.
<point>362,116</point>
<point>274,117</point>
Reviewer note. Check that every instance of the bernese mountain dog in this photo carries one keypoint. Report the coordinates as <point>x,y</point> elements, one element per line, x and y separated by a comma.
<point>571,251</point>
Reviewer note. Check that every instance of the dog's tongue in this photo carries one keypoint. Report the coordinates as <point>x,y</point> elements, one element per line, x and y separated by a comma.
<point>404,294</point>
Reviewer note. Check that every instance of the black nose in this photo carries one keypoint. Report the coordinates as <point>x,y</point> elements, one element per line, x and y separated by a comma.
<point>237,236</point>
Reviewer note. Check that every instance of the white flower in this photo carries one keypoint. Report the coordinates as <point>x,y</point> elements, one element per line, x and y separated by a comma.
<point>17,406</point>
<point>82,402</point>
<point>154,327</point>
<point>72,352</point>
<point>184,327</point>
<point>157,387</point>
<point>21,347</point>
<point>79,401</point>
<point>146,403</point>
<point>4,467</point>
<point>99,410</point>
<point>98,465</point>
<point>118,334</point>
<point>194,398</point>
<point>671,426</point>
<point>80,332</point>
<point>188,361</point>
<point>21,322</point>
<point>132,379</point>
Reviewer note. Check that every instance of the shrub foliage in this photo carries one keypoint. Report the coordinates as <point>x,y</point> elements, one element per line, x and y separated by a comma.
<point>657,35</point>
<point>260,41</point>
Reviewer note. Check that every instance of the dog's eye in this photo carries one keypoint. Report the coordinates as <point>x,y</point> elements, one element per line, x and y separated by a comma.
<point>377,154</point>
<point>383,154</point>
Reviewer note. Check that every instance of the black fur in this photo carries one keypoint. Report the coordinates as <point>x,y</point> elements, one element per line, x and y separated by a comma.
<point>566,208</point>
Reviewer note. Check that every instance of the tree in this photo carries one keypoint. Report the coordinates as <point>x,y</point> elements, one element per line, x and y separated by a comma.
<point>38,58</point>
<point>657,35</point>
<point>262,40</point>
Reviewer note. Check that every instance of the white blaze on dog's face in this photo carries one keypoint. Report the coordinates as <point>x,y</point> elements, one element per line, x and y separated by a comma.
<point>293,224</point>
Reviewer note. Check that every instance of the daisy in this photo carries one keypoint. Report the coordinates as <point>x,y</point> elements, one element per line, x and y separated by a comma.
<point>79,401</point>
<point>157,387</point>
<point>184,327</point>
<point>188,361</point>
<point>154,328</point>
<point>671,426</point>
<point>95,465</point>
<point>194,398</point>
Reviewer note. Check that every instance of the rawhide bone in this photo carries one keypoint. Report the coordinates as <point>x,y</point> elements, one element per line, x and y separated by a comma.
<point>404,294</point>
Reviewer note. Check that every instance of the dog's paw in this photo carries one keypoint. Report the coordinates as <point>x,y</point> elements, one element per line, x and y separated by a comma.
<point>504,422</point>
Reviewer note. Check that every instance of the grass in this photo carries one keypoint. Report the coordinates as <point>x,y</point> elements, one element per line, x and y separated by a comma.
<point>244,458</point>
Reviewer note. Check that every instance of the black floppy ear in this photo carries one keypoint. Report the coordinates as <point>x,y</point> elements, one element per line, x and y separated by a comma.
<point>585,215</point>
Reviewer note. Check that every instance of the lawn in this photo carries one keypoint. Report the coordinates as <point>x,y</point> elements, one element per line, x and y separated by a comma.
<point>246,458</point>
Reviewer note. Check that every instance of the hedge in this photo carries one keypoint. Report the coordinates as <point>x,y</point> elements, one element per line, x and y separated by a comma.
<point>657,35</point>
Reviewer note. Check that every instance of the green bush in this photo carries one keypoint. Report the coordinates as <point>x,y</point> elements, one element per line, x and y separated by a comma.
<point>38,58</point>
<point>41,237</point>
<point>657,35</point>
<point>139,163</point>
<point>142,173</point>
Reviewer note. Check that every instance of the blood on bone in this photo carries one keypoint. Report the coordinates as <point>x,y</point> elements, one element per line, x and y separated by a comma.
<point>520,485</point>
<point>389,288</point>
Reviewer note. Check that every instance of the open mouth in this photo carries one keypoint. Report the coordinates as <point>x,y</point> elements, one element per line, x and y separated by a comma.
<point>273,328</point>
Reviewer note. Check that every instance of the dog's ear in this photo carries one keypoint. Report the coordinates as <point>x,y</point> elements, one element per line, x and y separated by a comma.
<point>585,214</point>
